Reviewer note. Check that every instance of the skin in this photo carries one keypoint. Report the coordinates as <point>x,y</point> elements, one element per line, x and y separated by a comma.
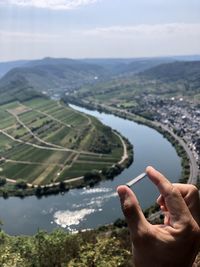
<point>174,243</point>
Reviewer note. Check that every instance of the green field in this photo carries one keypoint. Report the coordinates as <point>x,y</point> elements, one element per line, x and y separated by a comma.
<point>43,141</point>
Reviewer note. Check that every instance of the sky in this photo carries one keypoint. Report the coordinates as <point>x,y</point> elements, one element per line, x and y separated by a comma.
<point>32,29</point>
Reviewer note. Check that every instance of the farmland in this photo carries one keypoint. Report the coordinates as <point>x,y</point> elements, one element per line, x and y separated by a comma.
<point>45,142</point>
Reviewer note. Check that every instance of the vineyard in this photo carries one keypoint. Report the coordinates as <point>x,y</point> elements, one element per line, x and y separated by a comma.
<point>43,141</point>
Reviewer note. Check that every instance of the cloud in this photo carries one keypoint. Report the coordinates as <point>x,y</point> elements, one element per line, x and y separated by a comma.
<point>115,41</point>
<point>26,37</point>
<point>51,4</point>
<point>145,30</point>
<point>144,40</point>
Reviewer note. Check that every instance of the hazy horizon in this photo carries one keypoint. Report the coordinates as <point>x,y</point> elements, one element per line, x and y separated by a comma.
<point>103,58</point>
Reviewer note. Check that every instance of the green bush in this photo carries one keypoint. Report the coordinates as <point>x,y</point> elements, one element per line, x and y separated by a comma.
<point>21,184</point>
<point>2,181</point>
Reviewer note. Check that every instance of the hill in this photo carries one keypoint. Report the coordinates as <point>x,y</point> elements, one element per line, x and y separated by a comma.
<point>176,71</point>
<point>177,78</point>
<point>17,90</point>
<point>69,73</point>
<point>53,75</point>
<point>45,142</point>
<point>127,66</point>
<point>7,66</point>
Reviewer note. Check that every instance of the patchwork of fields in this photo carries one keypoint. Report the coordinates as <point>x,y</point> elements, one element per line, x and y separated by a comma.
<point>43,141</point>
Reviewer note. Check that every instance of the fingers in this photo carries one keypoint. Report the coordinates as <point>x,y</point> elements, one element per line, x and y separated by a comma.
<point>171,198</point>
<point>132,211</point>
<point>191,197</point>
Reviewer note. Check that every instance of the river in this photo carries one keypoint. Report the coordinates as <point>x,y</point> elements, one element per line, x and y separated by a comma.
<point>89,208</point>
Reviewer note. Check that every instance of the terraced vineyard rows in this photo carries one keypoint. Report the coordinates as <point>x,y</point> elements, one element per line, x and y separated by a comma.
<point>42,141</point>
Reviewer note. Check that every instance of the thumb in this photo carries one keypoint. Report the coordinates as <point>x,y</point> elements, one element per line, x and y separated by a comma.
<point>132,210</point>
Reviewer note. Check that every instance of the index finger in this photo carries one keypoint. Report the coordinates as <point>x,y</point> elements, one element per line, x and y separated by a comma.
<point>178,210</point>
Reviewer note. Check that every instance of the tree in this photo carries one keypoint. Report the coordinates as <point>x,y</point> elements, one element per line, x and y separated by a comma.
<point>105,252</point>
<point>21,184</point>
<point>92,176</point>
<point>2,181</point>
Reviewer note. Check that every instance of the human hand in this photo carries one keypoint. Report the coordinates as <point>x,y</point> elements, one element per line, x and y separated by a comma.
<point>176,242</point>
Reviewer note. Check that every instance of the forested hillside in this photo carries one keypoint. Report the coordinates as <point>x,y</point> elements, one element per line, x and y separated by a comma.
<point>52,75</point>
<point>171,79</point>
<point>176,71</point>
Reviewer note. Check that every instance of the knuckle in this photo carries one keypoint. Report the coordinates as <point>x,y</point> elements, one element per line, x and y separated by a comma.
<point>128,209</point>
<point>194,189</point>
<point>175,192</point>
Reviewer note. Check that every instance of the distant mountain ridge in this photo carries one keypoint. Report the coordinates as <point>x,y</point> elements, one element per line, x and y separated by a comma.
<point>7,66</point>
<point>104,67</point>
<point>114,65</point>
<point>128,65</point>
<point>55,76</point>
<point>170,79</point>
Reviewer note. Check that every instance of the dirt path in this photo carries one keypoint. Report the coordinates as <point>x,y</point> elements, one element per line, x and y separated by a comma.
<point>48,185</point>
<point>125,153</point>
<point>11,181</point>
<point>33,163</point>
<point>31,133</point>
<point>53,118</point>
<point>49,148</point>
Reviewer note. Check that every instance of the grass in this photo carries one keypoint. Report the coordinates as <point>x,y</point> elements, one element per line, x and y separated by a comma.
<point>23,171</point>
<point>11,105</point>
<point>52,175</point>
<point>60,137</point>
<point>6,119</point>
<point>4,142</point>
<point>23,152</point>
<point>79,169</point>
<point>97,159</point>
<point>48,175</point>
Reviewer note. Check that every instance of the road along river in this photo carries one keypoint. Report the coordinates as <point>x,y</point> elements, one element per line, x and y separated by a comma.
<point>89,208</point>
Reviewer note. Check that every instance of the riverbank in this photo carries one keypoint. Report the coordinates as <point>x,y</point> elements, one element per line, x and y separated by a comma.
<point>190,171</point>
